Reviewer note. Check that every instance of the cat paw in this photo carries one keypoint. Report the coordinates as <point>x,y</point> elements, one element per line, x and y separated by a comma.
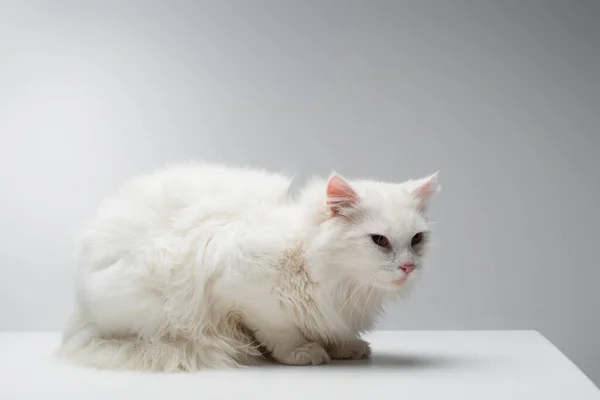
<point>307,354</point>
<point>354,349</point>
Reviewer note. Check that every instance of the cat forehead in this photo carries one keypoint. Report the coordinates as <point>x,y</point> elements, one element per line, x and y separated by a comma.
<point>390,207</point>
<point>396,217</point>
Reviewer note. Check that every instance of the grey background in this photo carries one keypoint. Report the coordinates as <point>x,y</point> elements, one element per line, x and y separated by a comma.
<point>501,97</point>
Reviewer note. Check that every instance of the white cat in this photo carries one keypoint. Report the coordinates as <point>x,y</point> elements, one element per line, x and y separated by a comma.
<point>203,266</point>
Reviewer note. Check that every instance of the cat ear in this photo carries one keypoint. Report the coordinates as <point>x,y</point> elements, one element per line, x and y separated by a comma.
<point>423,189</point>
<point>341,198</point>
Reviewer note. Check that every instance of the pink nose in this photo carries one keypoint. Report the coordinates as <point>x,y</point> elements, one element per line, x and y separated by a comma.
<point>407,268</point>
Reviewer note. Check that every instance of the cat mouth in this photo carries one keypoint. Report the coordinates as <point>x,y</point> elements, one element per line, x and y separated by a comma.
<point>400,281</point>
<point>396,281</point>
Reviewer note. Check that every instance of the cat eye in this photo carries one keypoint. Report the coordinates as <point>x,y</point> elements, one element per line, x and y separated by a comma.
<point>380,240</point>
<point>418,238</point>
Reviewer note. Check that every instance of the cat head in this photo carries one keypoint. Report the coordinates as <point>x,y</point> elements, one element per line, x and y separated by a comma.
<point>373,233</point>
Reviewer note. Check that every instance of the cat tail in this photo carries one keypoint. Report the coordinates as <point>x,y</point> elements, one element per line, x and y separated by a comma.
<point>83,344</point>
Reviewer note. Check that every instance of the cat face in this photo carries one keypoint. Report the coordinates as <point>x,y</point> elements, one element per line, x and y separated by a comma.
<point>377,233</point>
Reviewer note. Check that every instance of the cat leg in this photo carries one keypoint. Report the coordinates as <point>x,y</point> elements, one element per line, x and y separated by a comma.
<point>350,348</point>
<point>287,345</point>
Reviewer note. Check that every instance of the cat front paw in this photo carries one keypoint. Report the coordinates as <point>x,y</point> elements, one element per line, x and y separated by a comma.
<point>354,349</point>
<point>307,354</point>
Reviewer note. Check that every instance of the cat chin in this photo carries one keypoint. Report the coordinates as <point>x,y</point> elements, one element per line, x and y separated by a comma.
<point>401,287</point>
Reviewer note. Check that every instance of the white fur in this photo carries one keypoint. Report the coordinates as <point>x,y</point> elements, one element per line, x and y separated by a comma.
<point>203,266</point>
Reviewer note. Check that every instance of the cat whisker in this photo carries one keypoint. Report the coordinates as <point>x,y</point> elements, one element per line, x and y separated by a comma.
<point>349,323</point>
<point>365,309</point>
<point>349,297</point>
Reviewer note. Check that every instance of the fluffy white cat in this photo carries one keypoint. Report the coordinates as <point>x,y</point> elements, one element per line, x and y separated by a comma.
<point>204,266</point>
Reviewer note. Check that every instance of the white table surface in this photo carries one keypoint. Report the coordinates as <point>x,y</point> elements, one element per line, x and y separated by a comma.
<point>405,365</point>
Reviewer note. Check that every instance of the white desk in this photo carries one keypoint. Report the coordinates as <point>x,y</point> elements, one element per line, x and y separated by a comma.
<point>507,365</point>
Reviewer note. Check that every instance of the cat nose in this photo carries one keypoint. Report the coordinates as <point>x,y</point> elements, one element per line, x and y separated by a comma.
<point>407,268</point>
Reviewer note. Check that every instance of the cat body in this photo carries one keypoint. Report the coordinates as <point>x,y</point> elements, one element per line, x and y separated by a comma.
<point>205,266</point>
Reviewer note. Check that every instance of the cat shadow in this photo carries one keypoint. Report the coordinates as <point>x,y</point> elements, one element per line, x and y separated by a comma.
<point>385,361</point>
<point>406,362</point>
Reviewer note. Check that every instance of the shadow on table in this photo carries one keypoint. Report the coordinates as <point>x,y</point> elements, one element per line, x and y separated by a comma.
<point>408,362</point>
